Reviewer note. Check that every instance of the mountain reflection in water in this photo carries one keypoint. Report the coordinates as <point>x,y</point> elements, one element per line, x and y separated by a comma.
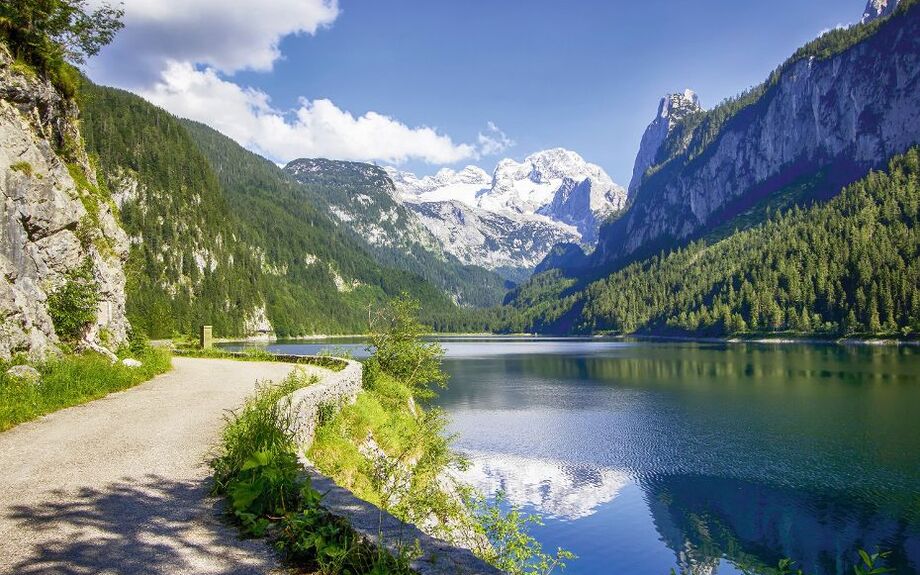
<point>705,458</point>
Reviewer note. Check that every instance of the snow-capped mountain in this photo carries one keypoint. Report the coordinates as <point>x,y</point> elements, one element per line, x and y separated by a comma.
<point>515,216</point>
<point>511,244</point>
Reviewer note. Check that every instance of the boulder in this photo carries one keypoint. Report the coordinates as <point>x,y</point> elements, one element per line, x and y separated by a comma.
<point>25,373</point>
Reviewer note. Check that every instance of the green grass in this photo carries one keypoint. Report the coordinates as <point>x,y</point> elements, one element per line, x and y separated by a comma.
<point>72,380</point>
<point>22,167</point>
<point>258,471</point>
<point>262,424</point>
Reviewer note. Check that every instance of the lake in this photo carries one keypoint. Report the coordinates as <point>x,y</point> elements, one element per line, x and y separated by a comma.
<point>701,457</point>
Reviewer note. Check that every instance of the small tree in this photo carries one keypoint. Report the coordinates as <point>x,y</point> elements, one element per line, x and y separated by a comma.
<point>50,33</point>
<point>400,352</point>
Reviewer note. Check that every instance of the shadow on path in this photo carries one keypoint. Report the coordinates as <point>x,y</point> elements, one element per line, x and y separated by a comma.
<point>150,525</point>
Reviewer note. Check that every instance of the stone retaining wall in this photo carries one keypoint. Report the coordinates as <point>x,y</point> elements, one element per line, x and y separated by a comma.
<point>374,524</point>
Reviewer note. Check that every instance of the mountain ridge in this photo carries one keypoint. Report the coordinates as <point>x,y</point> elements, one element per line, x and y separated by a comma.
<point>554,193</point>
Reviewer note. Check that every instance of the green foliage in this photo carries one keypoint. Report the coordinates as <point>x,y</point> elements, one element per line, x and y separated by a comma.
<point>400,353</point>
<point>23,168</point>
<point>512,549</point>
<point>847,267</point>
<point>872,564</point>
<point>72,306</point>
<point>263,425</point>
<point>314,538</point>
<point>46,34</point>
<point>258,470</point>
<point>266,485</point>
<point>73,380</point>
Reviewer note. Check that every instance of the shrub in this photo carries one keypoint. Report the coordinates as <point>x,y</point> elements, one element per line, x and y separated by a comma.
<point>259,472</point>
<point>263,425</point>
<point>399,352</point>
<point>72,306</point>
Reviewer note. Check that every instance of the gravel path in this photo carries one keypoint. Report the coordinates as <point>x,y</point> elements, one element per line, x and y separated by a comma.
<point>119,485</point>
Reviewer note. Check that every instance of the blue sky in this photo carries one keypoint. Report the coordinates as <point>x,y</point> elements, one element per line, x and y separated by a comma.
<point>578,74</point>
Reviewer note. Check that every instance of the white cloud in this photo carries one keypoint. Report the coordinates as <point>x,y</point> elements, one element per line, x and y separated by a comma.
<point>494,141</point>
<point>228,35</point>
<point>179,54</point>
<point>315,128</point>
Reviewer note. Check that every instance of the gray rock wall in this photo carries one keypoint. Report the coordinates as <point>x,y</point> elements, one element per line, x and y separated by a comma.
<point>45,228</point>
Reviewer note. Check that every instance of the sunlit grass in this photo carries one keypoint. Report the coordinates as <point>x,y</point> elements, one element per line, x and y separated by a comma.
<point>70,381</point>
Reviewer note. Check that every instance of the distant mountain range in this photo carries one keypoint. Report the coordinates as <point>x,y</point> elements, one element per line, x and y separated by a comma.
<point>512,219</point>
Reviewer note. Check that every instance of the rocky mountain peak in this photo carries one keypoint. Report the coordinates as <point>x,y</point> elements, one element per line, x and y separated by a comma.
<point>551,195</point>
<point>671,110</point>
<point>876,9</point>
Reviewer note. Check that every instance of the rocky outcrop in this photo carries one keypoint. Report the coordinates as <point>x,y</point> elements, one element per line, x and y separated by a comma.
<point>876,9</point>
<point>831,118</point>
<point>672,109</point>
<point>52,224</point>
<point>511,244</point>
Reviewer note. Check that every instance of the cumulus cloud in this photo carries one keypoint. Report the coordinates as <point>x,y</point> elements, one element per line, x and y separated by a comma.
<point>314,128</point>
<point>228,36</point>
<point>181,55</point>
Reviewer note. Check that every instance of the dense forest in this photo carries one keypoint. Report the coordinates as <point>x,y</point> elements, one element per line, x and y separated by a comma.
<point>847,267</point>
<point>220,234</point>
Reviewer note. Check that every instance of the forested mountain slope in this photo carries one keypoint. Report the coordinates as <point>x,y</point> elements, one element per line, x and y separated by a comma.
<point>222,236</point>
<point>850,266</point>
<point>840,106</point>
<point>363,199</point>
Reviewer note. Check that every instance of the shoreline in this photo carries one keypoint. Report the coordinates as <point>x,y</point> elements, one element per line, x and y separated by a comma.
<point>761,340</point>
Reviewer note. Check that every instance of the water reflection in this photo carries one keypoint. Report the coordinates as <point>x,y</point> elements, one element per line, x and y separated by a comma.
<point>708,458</point>
<point>555,489</point>
<point>754,525</point>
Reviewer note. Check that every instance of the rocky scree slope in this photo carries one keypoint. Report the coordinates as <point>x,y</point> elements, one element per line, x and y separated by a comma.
<point>363,199</point>
<point>58,223</point>
<point>843,105</point>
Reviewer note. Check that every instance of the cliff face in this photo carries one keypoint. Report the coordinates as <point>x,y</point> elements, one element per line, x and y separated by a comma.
<point>672,109</point>
<point>839,116</point>
<point>55,221</point>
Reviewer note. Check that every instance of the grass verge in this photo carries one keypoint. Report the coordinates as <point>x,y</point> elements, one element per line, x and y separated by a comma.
<point>72,380</point>
<point>257,470</point>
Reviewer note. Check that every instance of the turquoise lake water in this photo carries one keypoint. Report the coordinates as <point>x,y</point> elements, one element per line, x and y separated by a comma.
<point>701,457</point>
